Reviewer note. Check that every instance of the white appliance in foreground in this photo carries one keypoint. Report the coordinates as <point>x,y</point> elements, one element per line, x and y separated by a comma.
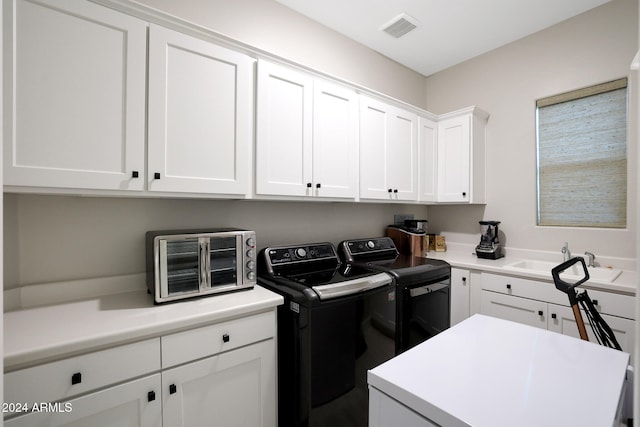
<point>489,372</point>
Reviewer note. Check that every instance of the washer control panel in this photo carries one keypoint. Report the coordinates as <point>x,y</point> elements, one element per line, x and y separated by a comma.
<point>301,253</point>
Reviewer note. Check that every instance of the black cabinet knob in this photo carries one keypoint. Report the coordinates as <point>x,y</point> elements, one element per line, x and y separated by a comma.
<point>173,389</point>
<point>390,190</point>
<point>464,280</point>
<point>226,338</point>
<point>540,312</point>
<point>309,185</point>
<point>318,185</point>
<point>595,302</point>
<point>76,378</point>
<point>156,175</point>
<point>553,316</point>
<point>508,285</point>
<point>464,194</point>
<point>151,396</point>
<point>135,174</point>
<point>395,190</point>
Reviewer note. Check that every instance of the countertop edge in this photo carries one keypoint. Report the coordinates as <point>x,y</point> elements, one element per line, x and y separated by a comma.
<point>626,283</point>
<point>140,324</point>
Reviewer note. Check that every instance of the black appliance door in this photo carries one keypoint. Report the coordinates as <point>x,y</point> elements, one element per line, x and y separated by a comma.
<point>324,354</point>
<point>425,312</point>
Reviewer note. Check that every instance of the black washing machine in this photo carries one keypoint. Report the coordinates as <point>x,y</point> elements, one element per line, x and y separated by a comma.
<point>327,333</point>
<point>423,288</point>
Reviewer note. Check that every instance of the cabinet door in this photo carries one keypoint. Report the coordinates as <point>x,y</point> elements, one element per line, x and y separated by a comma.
<point>335,139</point>
<point>454,139</point>
<point>521,310</point>
<point>200,115</point>
<point>428,159</point>
<point>373,149</point>
<point>563,321</point>
<point>132,404</point>
<point>284,131</point>
<point>460,286</point>
<point>235,388</point>
<point>402,154</point>
<point>75,104</point>
<point>388,152</point>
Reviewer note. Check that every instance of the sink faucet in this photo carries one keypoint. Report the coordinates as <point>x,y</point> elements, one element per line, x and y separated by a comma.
<point>565,251</point>
<point>591,259</point>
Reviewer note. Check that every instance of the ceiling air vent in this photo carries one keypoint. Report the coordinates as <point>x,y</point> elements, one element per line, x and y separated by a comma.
<point>400,25</point>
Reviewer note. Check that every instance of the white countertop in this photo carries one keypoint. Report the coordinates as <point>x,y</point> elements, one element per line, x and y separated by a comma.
<point>39,334</point>
<point>626,283</point>
<point>488,372</point>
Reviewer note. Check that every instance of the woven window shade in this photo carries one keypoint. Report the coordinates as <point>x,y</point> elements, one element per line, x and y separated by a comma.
<point>582,158</point>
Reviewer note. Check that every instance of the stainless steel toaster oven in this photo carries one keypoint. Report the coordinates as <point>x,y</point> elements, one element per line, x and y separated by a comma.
<point>192,263</point>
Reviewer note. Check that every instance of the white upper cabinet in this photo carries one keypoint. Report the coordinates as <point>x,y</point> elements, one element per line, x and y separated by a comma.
<point>388,152</point>
<point>74,96</point>
<point>306,135</point>
<point>428,155</point>
<point>200,115</point>
<point>461,156</point>
<point>100,102</point>
<point>335,138</point>
<point>284,132</point>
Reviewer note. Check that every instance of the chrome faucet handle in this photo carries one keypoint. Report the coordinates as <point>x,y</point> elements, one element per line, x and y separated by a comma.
<point>591,259</point>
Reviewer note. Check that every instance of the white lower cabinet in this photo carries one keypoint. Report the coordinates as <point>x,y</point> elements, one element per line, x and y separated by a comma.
<point>540,304</point>
<point>236,388</point>
<point>132,404</point>
<point>522,310</point>
<point>562,320</point>
<point>117,386</point>
<point>460,295</point>
<point>222,374</point>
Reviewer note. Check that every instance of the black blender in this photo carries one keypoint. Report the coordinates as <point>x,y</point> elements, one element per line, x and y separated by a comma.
<point>489,247</point>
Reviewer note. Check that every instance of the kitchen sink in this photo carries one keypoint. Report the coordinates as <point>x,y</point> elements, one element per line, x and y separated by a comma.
<point>601,274</point>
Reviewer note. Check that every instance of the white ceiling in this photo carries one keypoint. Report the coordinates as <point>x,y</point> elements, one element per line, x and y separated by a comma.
<point>449,31</point>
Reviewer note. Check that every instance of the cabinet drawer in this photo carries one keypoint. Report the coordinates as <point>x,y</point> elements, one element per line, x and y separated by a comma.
<point>614,304</point>
<point>516,286</point>
<point>80,374</point>
<point>193,344</point>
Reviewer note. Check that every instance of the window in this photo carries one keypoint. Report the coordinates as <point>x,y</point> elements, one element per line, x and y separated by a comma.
<point>582,157</point>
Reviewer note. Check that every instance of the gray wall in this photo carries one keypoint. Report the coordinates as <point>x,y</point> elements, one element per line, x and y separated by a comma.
<point>591,48</point>
<point>56,238</point>
<point>268,25</point>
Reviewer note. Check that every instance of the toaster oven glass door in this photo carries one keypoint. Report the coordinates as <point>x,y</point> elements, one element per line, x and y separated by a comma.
<point>179,266</point>
<point>223,261</point>
<point>198,265</point>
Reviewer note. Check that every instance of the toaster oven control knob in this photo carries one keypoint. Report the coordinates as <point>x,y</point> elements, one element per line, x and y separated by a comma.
<point>301,253</point>
<point>251,275</point>
<point>251,265</point>
<point>251,242</point>
<point>251,253</point>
